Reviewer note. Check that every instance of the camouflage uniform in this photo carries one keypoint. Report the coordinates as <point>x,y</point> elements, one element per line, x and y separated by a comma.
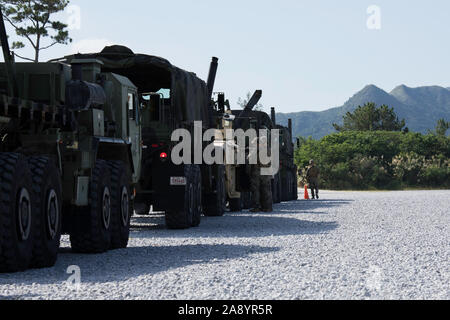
<point>312,177</point>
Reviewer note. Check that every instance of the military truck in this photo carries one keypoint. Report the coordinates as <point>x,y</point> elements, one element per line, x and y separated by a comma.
<point>170,98</point>
<point>70,157</point>
<point>285,186</point>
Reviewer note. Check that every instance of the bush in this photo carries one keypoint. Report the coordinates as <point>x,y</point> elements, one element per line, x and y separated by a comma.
<point>435,173</point>
<point>381,160</point>
<point>407,167</point>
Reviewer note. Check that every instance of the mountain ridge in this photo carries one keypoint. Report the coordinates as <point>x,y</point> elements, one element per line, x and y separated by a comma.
<point>409,103</point>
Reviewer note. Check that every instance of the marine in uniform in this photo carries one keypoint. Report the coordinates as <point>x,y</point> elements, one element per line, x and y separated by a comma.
<point>312,177</point>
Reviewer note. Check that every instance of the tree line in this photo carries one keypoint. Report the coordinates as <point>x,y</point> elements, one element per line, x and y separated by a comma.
<point>374,149</point>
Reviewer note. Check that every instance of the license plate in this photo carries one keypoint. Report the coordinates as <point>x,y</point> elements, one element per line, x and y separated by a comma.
<point>178,181</point>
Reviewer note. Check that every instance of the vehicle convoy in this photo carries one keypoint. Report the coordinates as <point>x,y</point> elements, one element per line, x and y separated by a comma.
<point>170,99</point>
<point>70,157</point>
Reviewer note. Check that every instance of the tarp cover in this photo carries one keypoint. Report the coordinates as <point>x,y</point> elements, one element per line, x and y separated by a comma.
<point>150,74</point>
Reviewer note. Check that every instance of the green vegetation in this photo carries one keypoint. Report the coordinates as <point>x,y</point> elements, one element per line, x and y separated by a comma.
<point>367,160</point>
<point>442,127</point>
<point>371,118</point>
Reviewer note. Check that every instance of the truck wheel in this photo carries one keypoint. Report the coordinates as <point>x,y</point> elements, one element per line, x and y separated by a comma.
<point>288,186</point>
<point>142,209</point>
<point>91,231</point>
<point>198,210</point>
<point>235,205</point>
<point>121,205</point>
<point>294,186</point>
<point>284,188</point>
<point>246,198</point>
<point>16,213</point>
<point>183,218</point>
<point>276,189</point>
<point>215,202</point>
<point>48,191</point>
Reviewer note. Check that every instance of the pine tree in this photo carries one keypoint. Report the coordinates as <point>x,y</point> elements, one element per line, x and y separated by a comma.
<point>32,21</point>
<point>371,118</point>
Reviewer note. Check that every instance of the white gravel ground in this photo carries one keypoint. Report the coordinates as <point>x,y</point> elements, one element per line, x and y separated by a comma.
<point>349,245</point>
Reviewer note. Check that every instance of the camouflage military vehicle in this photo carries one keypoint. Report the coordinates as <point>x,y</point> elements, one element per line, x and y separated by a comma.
<point>285,187</point>
<point>169,99</point>
<point>70,157</point>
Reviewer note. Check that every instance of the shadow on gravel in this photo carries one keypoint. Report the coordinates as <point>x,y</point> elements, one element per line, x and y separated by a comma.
<point>120,265</point>
<point>19,297</point>
<point>241,225</point>
<point>246,224</point>
<point>300,205</point>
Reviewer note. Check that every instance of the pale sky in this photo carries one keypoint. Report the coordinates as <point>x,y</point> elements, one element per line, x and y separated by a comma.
<point>304,55</point>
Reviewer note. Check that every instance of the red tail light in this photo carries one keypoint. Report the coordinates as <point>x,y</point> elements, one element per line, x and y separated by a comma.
<point>163,155</point>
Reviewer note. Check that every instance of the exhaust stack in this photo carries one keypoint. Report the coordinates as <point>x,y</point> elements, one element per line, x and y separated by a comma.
<point>290,127</point>
<point>212,76</point>
<point>273,116</point>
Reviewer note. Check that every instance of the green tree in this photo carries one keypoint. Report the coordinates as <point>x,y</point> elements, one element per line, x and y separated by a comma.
<point>31,19</point>
<point>371,118</point>
<point>442,127</point>
<point>243,102</point>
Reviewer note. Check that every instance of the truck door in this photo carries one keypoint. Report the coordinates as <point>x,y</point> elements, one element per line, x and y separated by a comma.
<point>135,133</point>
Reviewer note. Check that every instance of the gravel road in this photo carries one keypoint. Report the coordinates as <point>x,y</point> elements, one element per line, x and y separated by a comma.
<point>349,245</point>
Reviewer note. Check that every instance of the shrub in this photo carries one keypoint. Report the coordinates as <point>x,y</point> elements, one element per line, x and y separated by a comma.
<point>378,159</point>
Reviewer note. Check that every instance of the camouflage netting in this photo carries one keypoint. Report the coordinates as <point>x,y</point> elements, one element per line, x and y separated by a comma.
<point>151,73</point>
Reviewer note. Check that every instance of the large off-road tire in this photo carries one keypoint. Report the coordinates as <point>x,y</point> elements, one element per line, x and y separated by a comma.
<point>285,187</point>
<point>246,198</point>
<point>215,203</point>
<point>294,186</point>
<point>276,191</point>
<point>183,218</point>
<point>91,230</point>
<point>198,209</point>
<point>47,189</point>
<point>17,211</point>
<point>121,205</point>
<point>142,209</point>
<point>235,205</point>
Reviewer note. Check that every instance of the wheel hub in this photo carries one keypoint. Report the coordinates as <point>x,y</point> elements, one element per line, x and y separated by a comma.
<point>125,207</point>
<point>191,199</point>
<point>52,214</point>
<point>199,195</point>
<point>24,214</point>
<point>106,208</point>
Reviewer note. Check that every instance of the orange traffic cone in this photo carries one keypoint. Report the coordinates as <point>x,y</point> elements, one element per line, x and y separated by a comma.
<point>306,193</point>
